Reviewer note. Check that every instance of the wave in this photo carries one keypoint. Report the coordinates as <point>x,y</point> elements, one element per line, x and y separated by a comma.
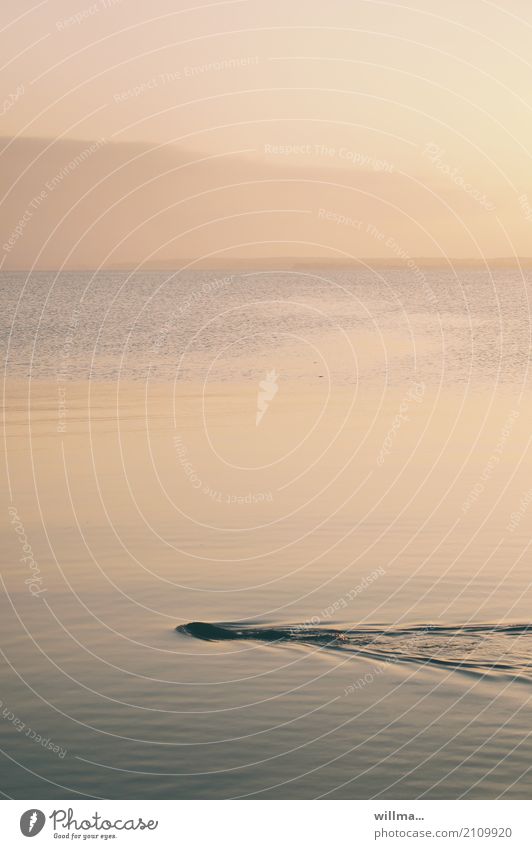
<point>478,648</point>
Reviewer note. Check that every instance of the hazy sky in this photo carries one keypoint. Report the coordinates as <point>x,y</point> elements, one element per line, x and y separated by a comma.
<point>412,120</point>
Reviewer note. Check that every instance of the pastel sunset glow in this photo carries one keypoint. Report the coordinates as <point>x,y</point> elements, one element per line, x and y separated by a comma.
<point>239,130</point>
<point>266,472</point>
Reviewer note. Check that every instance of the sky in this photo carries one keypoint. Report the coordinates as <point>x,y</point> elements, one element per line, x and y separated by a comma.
<point>139,133</point>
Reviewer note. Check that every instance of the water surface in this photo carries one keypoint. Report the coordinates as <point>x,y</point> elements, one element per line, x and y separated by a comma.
<point>365,545</point>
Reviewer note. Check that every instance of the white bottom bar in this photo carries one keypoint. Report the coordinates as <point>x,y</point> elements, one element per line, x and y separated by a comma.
<point>267,824</point>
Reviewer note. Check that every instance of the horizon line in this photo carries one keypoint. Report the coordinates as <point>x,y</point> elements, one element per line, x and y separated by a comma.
<point>282,263</point>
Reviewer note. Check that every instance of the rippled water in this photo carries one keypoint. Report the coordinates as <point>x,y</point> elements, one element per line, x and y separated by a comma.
<point>166,326</point>
<point>329,599</point>
<point>469,648</point>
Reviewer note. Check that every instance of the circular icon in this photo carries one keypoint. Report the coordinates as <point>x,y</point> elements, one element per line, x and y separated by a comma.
<point>32,822</point>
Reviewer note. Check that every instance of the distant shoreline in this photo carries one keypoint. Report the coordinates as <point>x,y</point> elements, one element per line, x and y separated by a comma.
<point>296,264</point>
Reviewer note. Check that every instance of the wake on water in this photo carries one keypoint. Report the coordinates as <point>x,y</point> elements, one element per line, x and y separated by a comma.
<point>474,648</point>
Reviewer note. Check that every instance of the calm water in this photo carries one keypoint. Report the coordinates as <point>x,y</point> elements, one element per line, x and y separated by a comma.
<point>332,467</point>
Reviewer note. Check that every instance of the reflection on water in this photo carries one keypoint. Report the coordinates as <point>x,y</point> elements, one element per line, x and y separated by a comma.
<point>385,483</point>
<point>447,327</point>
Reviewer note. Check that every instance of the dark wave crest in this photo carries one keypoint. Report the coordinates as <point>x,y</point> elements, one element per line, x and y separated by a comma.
<point>482,648</point>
